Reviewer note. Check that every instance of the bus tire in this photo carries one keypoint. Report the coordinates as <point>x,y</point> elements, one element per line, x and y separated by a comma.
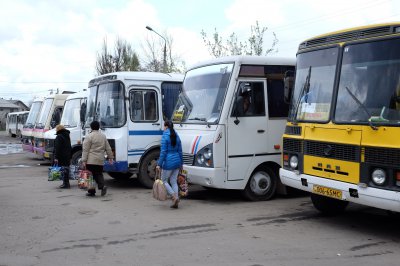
<point>76,158</point>
<point>261,185</point>
<point>147,169</point>
<point>328,206</point>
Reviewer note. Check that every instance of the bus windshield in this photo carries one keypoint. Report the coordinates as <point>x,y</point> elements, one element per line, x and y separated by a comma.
<point>313,89</point>
<point>70,116</point>
<point>203,94</point>
<point>33,113</point>
<point>44,113</point>
<point>108,107</point>
<point>369,86</point>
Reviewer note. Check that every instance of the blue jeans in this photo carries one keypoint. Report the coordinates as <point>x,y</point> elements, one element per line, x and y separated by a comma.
<point>170,180</point>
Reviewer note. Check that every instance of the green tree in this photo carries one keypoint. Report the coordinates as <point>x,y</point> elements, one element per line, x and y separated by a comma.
<point>123,58</point>
<point>254,45</point>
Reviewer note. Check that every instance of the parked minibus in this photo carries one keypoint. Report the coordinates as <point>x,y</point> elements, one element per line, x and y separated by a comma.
<point>230,117</point>
<point>27,130</point>
<point>15,122</point>
<point>131,108</point>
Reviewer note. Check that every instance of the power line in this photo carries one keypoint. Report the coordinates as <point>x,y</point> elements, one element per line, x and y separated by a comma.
<point>41,82</point>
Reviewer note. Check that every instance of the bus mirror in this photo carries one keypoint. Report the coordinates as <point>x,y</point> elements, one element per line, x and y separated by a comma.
<point>82,113</point>
<point>288,88</point>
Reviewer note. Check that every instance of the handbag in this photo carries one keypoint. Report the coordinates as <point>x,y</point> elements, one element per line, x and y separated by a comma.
<point>183,184</point>
<point>159,190</point>
<point>55,173</point>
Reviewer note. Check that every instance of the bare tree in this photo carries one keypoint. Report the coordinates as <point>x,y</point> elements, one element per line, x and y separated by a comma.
<point>153,55</point>
<point>123,58</point>
<point>232,46</point>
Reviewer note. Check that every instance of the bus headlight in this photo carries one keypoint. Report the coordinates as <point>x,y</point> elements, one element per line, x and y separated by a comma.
<point>204,157</point>
<point>378,176</point>
<point>293,162</point>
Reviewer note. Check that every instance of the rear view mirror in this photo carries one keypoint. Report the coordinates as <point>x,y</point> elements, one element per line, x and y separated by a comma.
<point>288,86</point>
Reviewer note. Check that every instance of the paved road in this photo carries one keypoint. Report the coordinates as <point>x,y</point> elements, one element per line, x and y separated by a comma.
<point>44,225</point>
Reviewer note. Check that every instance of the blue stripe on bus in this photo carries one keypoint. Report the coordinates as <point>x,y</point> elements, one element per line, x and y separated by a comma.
<point>145,132</point>
<point>197,145</point>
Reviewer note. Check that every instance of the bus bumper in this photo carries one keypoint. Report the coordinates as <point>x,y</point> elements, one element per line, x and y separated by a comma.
<point>207,177</point>
<point>117,166</point>
<point>373,197</point>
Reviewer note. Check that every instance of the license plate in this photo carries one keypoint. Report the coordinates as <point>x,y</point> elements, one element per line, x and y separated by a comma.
<point>327,191</point>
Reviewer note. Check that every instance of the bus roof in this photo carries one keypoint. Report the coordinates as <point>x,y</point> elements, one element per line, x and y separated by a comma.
<point>136,75</point>
<point>77,95</point>
<point>247,60</point>
<point>355,33</point>
<point>18,113</point>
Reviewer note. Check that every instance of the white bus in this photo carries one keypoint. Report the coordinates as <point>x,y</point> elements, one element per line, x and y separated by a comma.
<point>73,119</point>
<point>230,117</point>
<point>27,130</point>
<point>131,108</point>
<point>15,122</point>
<point>49,117</point>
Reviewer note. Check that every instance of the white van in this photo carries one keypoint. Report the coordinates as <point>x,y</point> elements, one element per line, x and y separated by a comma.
<point>131,108</point>
<point>49,117</point>
<point>72,118</point>
<point>15,122</point>
<point>27,130</point>
<point>230,117</point>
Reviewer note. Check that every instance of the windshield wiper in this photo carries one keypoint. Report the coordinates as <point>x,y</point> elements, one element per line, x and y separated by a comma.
<point>364,108</point>
<point>197,118</point>
<point>305,89</point>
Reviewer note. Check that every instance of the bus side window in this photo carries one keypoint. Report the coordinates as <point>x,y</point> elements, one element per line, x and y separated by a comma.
<point>277,107</point>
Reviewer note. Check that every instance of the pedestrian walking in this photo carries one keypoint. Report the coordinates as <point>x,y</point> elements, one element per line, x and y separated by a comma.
<point>94,147</point>
<point>170,161</point>
<point>63,152</point>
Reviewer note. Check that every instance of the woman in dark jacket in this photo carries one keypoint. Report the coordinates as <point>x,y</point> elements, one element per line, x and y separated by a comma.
<point>62,152</point>
<point>170,161</point>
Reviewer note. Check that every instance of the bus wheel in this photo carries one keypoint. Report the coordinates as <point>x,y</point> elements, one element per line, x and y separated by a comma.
<point>119,175</point>
<point>261,185</point>
<point>328,206</point>
<point>76,158</point>
<point>147,169</point>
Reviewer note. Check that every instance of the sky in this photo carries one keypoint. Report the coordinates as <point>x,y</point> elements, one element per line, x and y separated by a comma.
<point>48,45</point>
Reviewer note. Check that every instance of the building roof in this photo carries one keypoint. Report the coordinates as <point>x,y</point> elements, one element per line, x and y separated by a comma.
<point>18,101</point>
<point>7,104</point>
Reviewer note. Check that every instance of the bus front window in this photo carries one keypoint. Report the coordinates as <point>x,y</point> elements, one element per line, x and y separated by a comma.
<point>369,87</point>
<point>108,107</point>
<point>203,94</point>
<point>313,89</point>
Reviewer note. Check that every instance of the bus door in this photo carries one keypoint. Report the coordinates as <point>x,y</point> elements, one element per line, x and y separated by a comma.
<point>146,129</point>
<point>247,127</point>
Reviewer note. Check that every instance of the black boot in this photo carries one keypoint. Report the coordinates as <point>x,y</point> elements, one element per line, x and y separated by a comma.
<point>65,185</point>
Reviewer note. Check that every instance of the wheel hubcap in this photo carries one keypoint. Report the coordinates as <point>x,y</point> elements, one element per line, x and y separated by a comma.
<point>260,183</point>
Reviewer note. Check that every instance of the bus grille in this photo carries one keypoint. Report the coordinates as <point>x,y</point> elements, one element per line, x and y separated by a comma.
<point>292,145</point>
<point>293,130</point>
<point>382,156</point>
<point>346,36</point>
<point>336,151</point>
<point>188,158</point>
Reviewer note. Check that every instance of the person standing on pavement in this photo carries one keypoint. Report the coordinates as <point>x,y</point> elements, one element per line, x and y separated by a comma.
<point>63,152</point>
<point>94,147</point>
<point>170,161</point>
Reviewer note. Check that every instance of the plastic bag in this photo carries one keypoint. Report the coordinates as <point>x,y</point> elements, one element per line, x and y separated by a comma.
<point>55,173</point>
<point>183,184</point>
<point>83,180</point>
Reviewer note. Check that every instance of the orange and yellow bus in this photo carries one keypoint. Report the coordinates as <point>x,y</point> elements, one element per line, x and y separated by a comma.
<point>341,141</point>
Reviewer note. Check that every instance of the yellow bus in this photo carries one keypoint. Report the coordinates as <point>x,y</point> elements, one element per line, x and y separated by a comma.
<point>341,141</point>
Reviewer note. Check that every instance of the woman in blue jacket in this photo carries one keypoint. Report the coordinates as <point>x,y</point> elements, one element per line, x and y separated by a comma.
<point>170,161</point>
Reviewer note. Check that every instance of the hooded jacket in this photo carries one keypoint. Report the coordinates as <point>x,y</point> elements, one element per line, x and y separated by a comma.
<point>170,157</point>
<point>94,146</point>
<point>62,147</point>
